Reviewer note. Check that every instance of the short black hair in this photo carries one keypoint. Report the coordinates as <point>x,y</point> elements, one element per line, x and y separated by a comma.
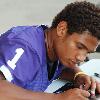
<point>80,17</point>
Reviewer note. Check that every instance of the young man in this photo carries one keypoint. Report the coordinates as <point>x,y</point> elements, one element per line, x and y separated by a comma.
<point>33,56</point>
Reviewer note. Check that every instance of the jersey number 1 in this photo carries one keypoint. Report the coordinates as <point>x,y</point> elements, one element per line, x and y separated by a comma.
<point>12,63</point>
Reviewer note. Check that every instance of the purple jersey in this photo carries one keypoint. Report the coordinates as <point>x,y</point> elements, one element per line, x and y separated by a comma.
<point>23,58</point>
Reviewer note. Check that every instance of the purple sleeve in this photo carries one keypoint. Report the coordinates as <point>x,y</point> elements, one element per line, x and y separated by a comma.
<point>18,62</point>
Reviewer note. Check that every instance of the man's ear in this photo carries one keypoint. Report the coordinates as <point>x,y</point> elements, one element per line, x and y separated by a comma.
<point>62,29</point>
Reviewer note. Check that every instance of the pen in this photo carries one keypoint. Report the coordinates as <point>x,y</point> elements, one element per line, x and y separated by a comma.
<point>97,75</point>
<point>67,86</point>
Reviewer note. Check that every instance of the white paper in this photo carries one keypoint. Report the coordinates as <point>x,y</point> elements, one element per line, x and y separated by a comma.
<point>90,67</point>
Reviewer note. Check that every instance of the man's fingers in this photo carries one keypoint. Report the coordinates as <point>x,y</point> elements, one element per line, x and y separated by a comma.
<point>93,86</point>
<point>98,86</point>
<point>87,84</point>
<point>85,93</point>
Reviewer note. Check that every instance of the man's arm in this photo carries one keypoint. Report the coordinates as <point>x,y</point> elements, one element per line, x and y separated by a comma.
<point>8,91</point>
<point>68,73</point>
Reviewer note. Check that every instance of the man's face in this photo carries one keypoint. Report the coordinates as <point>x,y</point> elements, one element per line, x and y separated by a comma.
<point>74,48</point>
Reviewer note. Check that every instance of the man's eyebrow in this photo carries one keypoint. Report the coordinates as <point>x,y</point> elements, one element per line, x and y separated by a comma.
<point>89,51</point>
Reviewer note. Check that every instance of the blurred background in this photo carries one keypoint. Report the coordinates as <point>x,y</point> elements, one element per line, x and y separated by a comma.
<point>30,12</point>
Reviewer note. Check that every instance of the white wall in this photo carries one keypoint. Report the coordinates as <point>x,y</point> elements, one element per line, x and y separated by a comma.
<point>28,12</point>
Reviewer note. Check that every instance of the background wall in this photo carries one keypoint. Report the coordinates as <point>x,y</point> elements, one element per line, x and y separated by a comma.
<point>29,12</point>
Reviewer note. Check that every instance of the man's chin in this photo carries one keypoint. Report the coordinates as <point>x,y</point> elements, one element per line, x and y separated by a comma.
<point>70,65</point>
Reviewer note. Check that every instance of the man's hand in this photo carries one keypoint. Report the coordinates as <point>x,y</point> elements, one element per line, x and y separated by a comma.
<point>74,94</point>
<point>9,91</point>
<point>86,82</point>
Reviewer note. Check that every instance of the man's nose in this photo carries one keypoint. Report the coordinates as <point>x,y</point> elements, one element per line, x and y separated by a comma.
<point>81,57</point>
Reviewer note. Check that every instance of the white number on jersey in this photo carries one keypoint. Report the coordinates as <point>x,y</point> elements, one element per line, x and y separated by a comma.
<point>12,63</point>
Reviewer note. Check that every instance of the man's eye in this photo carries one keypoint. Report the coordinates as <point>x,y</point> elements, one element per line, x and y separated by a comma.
<point>79,47</point>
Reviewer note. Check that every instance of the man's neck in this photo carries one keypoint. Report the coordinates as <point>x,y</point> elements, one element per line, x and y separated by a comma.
<point>49,44</point>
